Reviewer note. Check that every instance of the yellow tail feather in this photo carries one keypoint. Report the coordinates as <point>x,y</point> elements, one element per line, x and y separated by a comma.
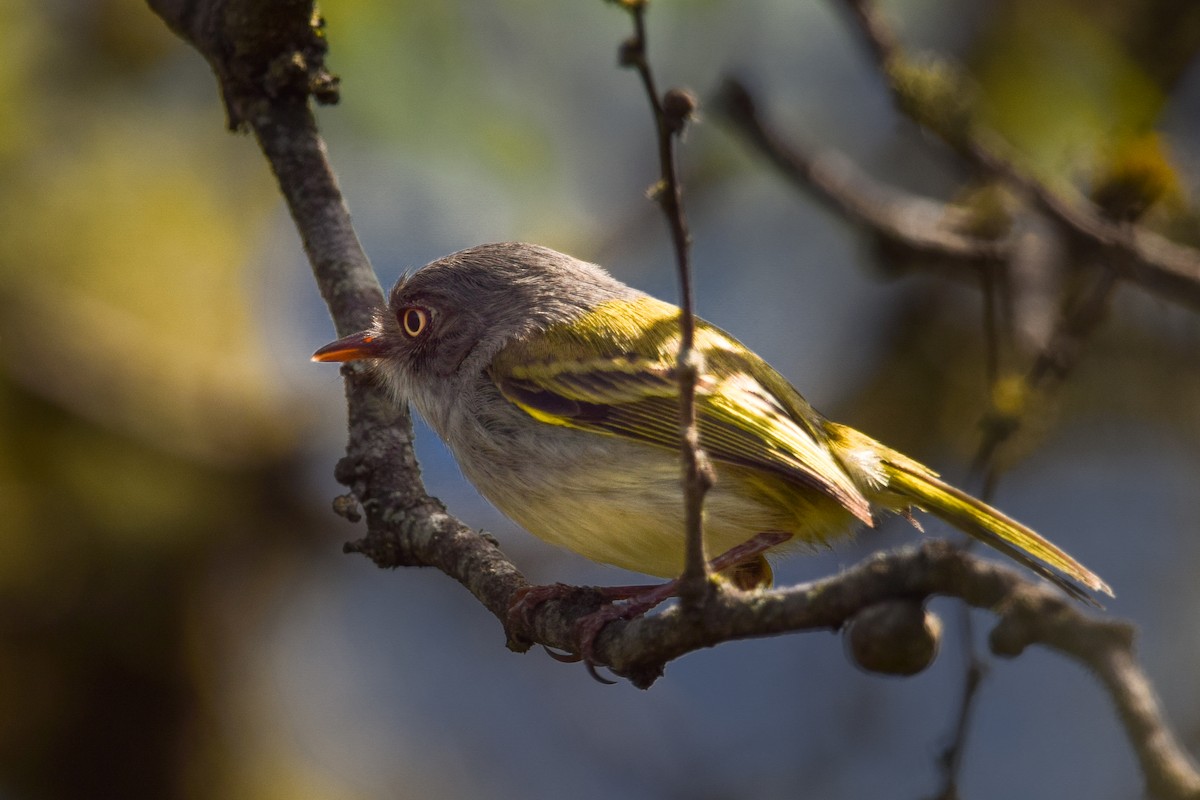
<point>989,526</point>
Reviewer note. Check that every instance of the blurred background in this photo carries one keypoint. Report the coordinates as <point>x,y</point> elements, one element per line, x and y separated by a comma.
<point>176,616</point>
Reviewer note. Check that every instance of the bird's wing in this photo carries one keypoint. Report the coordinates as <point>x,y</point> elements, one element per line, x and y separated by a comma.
<point>624,383</point>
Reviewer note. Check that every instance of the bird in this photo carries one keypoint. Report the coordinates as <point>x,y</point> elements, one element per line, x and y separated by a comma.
<point>554,385</point>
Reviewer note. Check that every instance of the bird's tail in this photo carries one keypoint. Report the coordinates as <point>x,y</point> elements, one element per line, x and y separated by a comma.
<point>904,483</point>
<point>926,490</point>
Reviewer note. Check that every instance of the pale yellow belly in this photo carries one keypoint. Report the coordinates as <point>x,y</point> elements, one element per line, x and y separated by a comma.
<point>636,521</point>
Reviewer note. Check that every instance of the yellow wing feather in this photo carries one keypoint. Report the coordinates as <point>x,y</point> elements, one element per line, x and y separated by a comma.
<point>609,377</point>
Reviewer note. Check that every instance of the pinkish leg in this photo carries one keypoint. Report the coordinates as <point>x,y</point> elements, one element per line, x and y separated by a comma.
<point>629,602</point>
<point>748,549</point>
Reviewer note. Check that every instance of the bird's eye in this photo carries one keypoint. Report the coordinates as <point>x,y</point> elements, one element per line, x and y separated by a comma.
<point>414,320</point>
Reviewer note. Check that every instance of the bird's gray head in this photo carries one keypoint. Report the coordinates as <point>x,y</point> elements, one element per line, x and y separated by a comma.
<point>450,318</point>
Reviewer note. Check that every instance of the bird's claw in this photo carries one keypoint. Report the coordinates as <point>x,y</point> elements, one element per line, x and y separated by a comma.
<point>527,599</point>
<point>620,602</point>
<point>560,657</point>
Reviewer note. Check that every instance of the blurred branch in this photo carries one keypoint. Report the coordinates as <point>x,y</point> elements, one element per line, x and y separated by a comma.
<point>268,57</point>
<point>1112,249</point>
<point>915,223</point>
<point>1162,267</point>
<point>937,96</point>
<point>1081,315</point>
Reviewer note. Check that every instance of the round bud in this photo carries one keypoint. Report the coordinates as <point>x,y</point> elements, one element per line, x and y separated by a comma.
<point>897,637</point>
<point>346,505</point>
<point>630,52</point>
<point>679,107</point>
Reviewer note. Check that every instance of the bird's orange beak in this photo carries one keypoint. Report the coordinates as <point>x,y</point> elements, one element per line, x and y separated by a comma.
<point>364,344</point>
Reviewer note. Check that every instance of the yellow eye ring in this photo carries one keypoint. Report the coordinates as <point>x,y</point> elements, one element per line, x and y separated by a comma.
<point>414,321</point>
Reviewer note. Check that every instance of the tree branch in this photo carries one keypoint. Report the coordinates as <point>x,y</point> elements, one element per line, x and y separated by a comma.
<point>246,41</point>
<point>915,223</point>
<point>931,93</point>
<point>268,56</point>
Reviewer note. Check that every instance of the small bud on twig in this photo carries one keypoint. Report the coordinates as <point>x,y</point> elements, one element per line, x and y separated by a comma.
<point>346,506</point>
<point>631,52</point>
<point>897,637</point>
<point>679,108</point>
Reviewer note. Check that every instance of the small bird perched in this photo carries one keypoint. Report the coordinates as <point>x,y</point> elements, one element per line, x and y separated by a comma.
<point>554,386</point>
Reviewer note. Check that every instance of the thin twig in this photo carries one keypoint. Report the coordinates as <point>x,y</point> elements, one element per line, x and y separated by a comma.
<point>991,288</point>
<point>406,527</point>
<point>975,668</point>
<point>671,113</point>
<point>953,755</point>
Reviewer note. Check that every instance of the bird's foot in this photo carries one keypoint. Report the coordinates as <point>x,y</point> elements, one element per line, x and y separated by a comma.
<point>628,602</point>
<point>527,600</point>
